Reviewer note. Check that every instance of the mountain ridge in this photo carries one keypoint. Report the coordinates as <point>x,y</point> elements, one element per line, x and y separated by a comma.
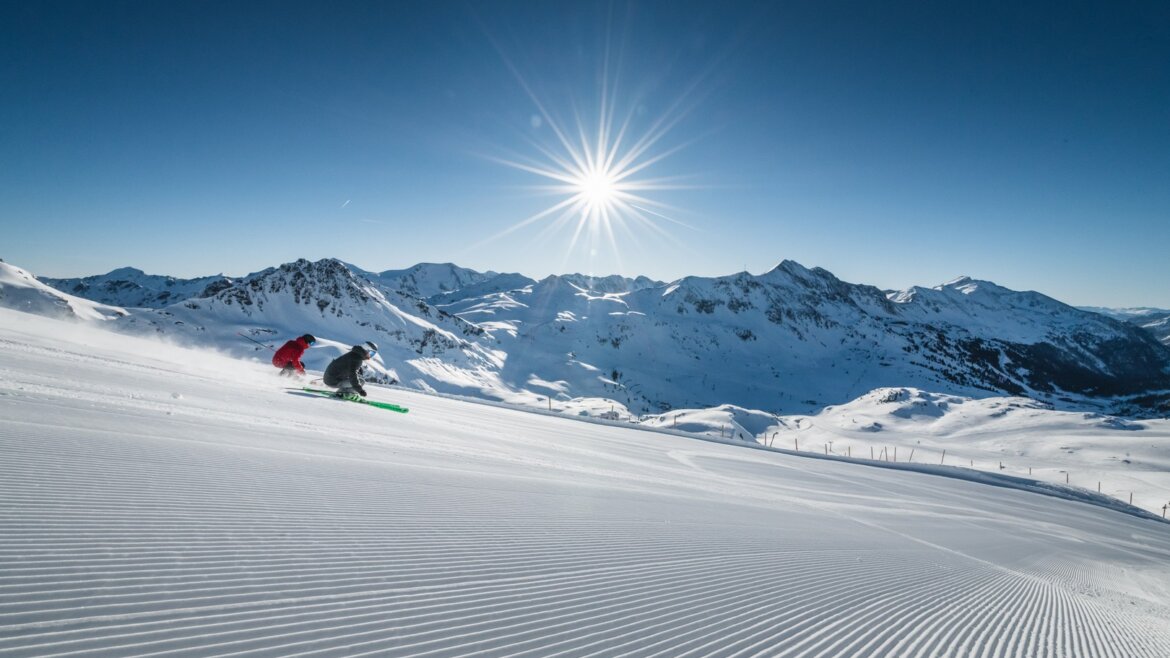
<point>791,340</point>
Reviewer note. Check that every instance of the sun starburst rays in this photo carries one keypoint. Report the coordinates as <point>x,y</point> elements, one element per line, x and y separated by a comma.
<point>601,192</point>
<point>599,171</point>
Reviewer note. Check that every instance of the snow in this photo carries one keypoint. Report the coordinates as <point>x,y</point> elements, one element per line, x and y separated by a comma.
<point>20,290</point>
<point>161,500</point>
<point>1015,437</point>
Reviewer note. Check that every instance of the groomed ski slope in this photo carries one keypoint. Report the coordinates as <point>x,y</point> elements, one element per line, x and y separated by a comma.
<point>162,501</point>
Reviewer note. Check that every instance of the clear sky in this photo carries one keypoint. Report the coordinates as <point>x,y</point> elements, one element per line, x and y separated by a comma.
<point>892,143</point>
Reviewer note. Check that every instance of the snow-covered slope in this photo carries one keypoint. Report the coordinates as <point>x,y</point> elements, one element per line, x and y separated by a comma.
<point>21,291</point>
<point>1127,460</point>
<point>130,287</point>
<point>167,501</point>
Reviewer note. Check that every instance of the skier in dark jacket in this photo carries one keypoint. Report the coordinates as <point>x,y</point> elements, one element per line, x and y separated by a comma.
<point>288,357</point>
<point>344,372</point>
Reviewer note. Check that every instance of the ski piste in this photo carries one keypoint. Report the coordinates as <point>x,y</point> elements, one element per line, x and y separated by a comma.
<point>372,403</point>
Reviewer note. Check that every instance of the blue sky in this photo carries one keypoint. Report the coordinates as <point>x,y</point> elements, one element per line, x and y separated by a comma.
<point>893,144</point>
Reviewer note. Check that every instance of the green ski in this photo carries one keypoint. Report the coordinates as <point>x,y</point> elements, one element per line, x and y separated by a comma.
<point>372,403</point>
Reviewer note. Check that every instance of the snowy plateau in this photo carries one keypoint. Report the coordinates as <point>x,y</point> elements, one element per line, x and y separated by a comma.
<point>774,465</point>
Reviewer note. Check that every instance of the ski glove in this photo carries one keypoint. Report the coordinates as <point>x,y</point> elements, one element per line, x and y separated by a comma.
<point>362,392</point>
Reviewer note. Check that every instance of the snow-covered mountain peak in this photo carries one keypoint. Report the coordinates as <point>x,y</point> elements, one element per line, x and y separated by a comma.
<point>790,268</point>
<point>327,284</point>
<point>613,283</point>
<point>130,287</point>
<point>428,280</point>
<point>338,306</point>
<point>966,285</point>
<point>126,273</point>
<point>962,283</point>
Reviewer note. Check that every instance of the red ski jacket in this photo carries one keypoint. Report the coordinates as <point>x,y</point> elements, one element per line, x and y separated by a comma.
<point>290,353</point>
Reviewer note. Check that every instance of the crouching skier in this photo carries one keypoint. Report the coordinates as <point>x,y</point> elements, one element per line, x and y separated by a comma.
<point>288,357</point>
<point>344,372</point>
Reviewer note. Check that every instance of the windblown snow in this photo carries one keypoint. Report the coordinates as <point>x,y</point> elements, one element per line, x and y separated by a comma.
<point>160,500</point>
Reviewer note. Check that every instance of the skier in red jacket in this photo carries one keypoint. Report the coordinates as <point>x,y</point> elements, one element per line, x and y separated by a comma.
<point>288,357</point>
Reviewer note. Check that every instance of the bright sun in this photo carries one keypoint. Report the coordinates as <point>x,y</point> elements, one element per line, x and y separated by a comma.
<point>599,173</point>
<point>599,189</point>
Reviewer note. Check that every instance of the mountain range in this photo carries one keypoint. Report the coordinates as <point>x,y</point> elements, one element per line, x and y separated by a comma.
<point>791,340</point>
<point>1154,320</point>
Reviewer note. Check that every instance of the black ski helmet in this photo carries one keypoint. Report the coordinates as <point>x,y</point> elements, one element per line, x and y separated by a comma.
<point>309,338</point>
<point>371,348</point>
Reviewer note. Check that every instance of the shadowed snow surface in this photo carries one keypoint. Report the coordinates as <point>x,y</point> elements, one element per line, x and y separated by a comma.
<point>163,501</point>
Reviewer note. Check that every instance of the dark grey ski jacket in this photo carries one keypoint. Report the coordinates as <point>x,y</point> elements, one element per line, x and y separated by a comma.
<point>346,368</point>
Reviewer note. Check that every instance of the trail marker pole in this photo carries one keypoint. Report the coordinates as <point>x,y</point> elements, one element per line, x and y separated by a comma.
<point>944,458</point>
<point>911,457</point>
